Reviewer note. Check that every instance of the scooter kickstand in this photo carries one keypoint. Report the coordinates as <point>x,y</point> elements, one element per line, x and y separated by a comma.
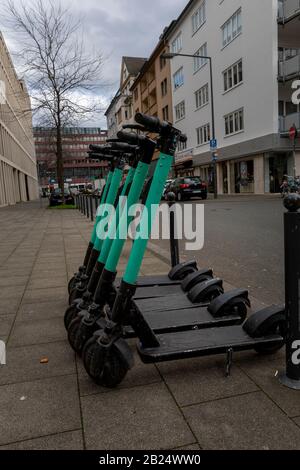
<point>228,362</point>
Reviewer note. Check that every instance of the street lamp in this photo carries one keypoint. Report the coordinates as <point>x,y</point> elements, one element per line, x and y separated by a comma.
<point>171,55</point>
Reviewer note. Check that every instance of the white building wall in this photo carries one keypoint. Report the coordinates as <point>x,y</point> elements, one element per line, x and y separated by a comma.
<point>257,45</point>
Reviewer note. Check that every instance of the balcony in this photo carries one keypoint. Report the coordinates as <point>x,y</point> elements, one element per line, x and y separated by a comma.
<point>288,10</point>
<point>289,69</point>
<point>286,122</point>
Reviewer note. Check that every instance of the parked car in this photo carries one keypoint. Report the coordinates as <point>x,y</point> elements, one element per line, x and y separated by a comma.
<point>56,198</point>
<point>188,187</point>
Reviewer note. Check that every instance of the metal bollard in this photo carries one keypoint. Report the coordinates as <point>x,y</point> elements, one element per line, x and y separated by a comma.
<point>87,206</point>
<point>92,208</point>
<point>291,377</point>
<point>174,245</point>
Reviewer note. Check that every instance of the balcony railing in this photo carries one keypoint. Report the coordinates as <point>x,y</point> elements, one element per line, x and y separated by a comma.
<point>289,68</point>
<point>288,9</point>
<point>286,122</point>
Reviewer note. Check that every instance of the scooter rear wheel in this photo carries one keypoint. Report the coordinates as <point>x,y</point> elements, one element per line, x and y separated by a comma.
<point>277,328</point>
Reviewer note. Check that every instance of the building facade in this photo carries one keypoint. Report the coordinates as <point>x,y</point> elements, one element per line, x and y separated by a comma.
<point>255,51</point>
<point>76,141</point>
<point>18,172</point>
<point>120,110</point>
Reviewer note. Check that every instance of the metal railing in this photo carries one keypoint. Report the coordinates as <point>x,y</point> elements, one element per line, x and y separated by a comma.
<point>286,122</point>
<point>287,9</point>
<point>289,68</point>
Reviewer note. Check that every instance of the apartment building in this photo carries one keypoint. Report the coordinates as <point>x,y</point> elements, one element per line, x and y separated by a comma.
<point>255,51</point>
<point>76,141</point>
<point>120,110</point>
<point>18,174</point>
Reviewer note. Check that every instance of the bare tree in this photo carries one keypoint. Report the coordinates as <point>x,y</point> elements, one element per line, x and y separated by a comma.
<point>61,76</point>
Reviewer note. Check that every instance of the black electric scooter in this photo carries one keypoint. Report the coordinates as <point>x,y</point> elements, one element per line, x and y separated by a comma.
<point>107,355</point>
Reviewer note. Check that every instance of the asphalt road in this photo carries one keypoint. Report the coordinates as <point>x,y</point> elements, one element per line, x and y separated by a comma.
<point>244,244</point>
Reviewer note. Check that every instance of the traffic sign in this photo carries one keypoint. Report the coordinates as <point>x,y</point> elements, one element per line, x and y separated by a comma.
<point>213,145</point>
<point>293,132</point>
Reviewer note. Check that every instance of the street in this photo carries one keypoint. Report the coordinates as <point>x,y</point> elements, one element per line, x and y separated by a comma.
<point>243,244</point>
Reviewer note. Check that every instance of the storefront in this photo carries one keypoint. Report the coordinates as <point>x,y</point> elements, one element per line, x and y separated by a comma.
<point>184,167</point>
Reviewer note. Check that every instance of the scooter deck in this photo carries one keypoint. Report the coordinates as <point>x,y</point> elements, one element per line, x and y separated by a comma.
<point>157,291</point>
<point>164,304</point>
<point>151,281</point>
<point>206,342</point>
<point>182,320</point>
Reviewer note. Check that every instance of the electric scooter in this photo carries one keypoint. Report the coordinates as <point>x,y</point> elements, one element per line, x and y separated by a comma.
<point>108,357</point>
<point>111,196</point>
<point>232,306</point>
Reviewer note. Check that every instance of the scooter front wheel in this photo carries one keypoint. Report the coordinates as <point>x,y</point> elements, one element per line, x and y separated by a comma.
<point>71,284</point>
<point>106,367</point>
<point>78,334</point>
<point>70,314</point>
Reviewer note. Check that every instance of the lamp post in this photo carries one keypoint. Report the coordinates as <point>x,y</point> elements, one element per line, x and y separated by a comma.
<point>171,55</point>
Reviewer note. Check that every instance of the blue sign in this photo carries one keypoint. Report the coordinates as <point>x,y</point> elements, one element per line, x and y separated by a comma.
<point>213,144</point>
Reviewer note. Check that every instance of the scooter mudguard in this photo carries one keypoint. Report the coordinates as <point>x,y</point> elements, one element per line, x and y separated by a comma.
<point>196,277</point>
<point>260,322</point>
<point>125,352</point>
<point>218,305</point>
<point>199,292</point>
<point>179,271</point>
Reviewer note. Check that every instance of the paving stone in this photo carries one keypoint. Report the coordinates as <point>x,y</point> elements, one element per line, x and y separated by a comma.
<point>55,281</point>
<point>297,421</point>
<point>262,370</point>
<point>203,379</point>
<point>247,422</point>
<point>189,447</point>
<point>44,295</point>
<point>140,374</point>
<point>42,310</point>
<point>23,364</point>
<point>138,418</point>
<point>37,332</point>
<point>13,281</point>
<point>71,440</point>
<point>9,306</point>
<point>12,292</point>
<point>35,409</point>
<point>6,322</point>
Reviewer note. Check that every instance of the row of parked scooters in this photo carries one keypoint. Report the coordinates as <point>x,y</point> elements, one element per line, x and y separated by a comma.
<point>183,314</point>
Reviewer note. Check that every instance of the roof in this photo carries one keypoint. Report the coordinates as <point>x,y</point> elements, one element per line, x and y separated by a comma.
<point>134,64</point>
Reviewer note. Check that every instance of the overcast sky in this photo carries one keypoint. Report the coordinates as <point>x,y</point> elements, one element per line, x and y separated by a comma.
<point>117,28</point>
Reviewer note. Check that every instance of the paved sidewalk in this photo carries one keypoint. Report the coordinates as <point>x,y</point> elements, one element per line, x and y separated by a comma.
<point>186,404</point>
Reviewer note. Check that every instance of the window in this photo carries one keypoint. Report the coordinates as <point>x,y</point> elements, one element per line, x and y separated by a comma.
<point>233,75</point>
<point>164,87</point>
<point>232,28</point>
<point>181,146</point>
<point>202,96</point>
<point>165,112</point>
<point>198,18</point>
<point>234,122</point>
<point>178,78</point>
<point>203,134</point>
<point>177,44</point>
<point>198,61</point>
<point>180,111</point>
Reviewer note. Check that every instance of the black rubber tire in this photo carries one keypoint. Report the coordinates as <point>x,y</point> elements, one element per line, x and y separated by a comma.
<point>239,306</point>
<point>87,353</point>
<point>180,197</point>
<point>212,293</point>
<point>185,273</point>
<point>70,314</point>
<point>74,295</point>
<point>71,284</point>
<point>78,334</point>
<point>107,369</point>
<point>204,197</point>
<point>276,328</point>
